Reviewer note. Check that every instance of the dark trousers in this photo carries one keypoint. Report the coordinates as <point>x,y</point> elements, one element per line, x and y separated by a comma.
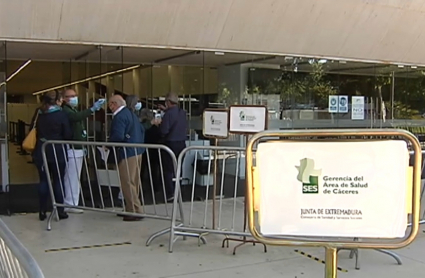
<point>176,147</point>
<point>151,171</point>
<point>57,173</point>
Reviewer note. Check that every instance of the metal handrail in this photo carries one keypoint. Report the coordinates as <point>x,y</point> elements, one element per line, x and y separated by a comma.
<point>15,259</point>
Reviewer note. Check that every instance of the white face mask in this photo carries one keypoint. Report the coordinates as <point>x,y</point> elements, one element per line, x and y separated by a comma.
<point>138,106</point>
<point>73,101</point>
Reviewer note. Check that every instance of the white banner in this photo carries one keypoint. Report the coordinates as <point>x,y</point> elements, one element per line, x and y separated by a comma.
<point>333,104</point>
<point>357,108</point>
<point>343,104</point>
<point>338,189</point>
<point>248,119</point>
<point>215,123</point>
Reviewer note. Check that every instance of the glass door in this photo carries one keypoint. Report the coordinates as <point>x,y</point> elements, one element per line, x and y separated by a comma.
<point>4,150</point>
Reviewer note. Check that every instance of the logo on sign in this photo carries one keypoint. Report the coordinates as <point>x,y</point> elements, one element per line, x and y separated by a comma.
<point>308,176</point>
<point>214,121</point>
<point>246,118</point>
<point>333,101</point>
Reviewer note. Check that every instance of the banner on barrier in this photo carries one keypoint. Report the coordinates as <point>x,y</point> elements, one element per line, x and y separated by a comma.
<point>333,189</point>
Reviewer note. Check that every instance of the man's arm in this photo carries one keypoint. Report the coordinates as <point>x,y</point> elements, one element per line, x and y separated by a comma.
<point>117,130</point>
<point>77,116</point>
<point>165,126</point>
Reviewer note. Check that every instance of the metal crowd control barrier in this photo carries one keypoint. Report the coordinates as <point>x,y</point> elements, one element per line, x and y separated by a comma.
<point>422,219</point>
<point>97,186</point>
<point>15,260</point>
<point>201,219</point>
<point>332,245</point>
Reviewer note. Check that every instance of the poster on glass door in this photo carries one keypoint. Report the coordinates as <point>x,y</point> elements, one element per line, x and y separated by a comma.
<point>357,108</point>
<point>333,104</point>
<point>343,104</point>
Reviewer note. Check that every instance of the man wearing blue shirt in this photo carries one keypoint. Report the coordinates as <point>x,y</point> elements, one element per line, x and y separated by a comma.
<point>174,132</point>
<point>126,128</point>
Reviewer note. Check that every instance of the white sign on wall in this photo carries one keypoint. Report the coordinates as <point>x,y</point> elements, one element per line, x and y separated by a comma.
<point>343,104</point>
<point>335,189</point>
<point>248,119</point>
<point>333,104</point>
<point>357,108</point>
<point>216,123</point>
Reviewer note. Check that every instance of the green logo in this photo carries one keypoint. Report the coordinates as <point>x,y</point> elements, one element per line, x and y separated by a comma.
<point>242,116</point>
<point>308,176</point>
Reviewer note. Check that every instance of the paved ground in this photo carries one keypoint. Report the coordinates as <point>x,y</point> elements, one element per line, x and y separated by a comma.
<point>188,260</point>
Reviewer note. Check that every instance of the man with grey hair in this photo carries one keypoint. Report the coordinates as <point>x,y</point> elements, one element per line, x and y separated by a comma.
<point>174,132</point>
<point>126,128</point>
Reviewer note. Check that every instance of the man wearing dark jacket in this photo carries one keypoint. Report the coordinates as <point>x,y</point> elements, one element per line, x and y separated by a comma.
<point>126,128</point>
<point>75,152</point>
<point>174,132</point>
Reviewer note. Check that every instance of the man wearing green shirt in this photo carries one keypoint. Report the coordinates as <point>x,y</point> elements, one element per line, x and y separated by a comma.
<point>76,153</point>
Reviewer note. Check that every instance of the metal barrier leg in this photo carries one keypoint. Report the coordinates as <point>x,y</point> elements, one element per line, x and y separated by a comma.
<point>391,254</point>
<point>54,213</point>
<point>156,235</point>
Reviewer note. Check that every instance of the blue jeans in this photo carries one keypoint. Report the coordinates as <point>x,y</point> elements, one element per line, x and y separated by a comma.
<point>57,173</point>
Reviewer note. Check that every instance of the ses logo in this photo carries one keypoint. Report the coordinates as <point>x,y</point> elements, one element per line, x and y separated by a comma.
<point>308,176</point>
<point>246,118</point>
<point>214,121</point>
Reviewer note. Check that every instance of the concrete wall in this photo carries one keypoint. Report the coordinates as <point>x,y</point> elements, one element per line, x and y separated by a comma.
<point>385,30</point>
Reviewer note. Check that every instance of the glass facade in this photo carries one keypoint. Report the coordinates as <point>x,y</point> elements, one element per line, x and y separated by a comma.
<point>296,90</point>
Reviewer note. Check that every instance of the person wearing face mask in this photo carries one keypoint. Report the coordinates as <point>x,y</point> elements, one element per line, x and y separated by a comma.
<point>135,106</point>
<point>75,152</point>
<point>51,123</point>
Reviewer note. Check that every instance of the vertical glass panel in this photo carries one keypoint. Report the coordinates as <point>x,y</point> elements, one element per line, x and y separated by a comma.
<point>4,147</point>
<point>89,69</point>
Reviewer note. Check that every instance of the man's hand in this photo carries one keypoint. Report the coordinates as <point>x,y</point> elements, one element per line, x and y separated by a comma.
<point>97,105</point>
<point>156,121</point>
<point>162,107</point>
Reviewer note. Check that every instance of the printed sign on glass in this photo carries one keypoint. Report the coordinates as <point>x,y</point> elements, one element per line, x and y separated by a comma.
<point>357,108</point>
<point>333,104</point>
<point>343,104</point>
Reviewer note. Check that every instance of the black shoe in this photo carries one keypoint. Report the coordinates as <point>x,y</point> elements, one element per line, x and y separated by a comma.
<point>63,215</point>
<point>131,218</point>
<point>42,215</point>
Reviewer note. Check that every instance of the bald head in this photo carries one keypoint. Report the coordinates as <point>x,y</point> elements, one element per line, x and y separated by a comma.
<point>115,102</point>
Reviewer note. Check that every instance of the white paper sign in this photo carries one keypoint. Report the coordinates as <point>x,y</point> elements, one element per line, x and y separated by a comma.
<point>247,119</point>
<point>357,108</point>
<point>333,189</point>
<point>343,104</point>
<point>216,123</point>
<point>333,104</point>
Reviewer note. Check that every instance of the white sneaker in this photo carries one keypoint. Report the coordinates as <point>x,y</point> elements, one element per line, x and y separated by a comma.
<point>74,210</point>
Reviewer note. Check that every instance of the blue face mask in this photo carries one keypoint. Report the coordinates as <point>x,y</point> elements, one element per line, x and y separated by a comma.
<point>73,101</point>
<point>138,106</point>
